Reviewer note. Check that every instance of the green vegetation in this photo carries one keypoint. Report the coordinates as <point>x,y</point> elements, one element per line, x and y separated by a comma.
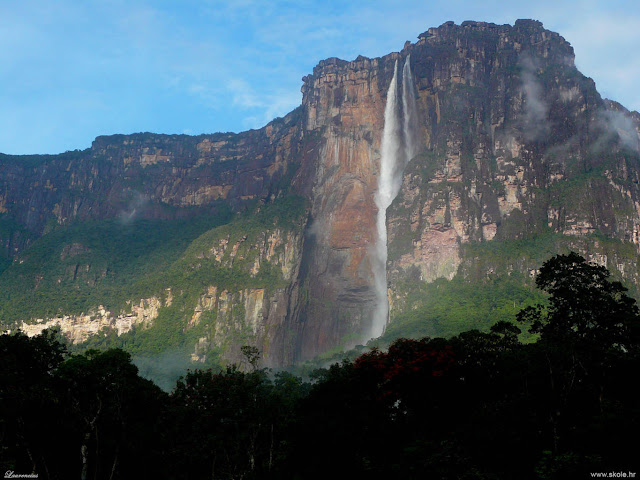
<point>494,281</point>
<point>507,257</point>
<point>197,269</point>
<point>76,268</point>
<point>10,230</point>
<point>445,308</point>
<point>500,256</point>
<point>481,405</point>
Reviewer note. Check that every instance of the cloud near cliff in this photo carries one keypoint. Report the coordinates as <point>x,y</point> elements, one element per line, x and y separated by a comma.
<point>163,369</point>
<point>135,207</point>
<point>620,124</point>
<point>535,121</point>
<point>261,109</point>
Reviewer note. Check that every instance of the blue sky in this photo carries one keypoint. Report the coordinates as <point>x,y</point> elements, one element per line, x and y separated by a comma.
<point>75,69</point>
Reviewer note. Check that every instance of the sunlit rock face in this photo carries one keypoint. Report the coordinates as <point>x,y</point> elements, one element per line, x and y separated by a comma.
<point>78,328</point>
<point>509,141</point>
<point>344,105</point>
<point>515,147</point>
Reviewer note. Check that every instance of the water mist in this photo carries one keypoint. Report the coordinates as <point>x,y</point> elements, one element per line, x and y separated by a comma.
<point>398,146</point>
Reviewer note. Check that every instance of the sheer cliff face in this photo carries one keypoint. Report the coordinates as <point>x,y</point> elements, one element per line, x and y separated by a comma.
<point>513,142</point>
<point>155,176</point>
<point>506,126</point>
<point>344,105</point>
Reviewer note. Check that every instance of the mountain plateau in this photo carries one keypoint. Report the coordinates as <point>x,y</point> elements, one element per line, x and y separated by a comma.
<point>267,237</point>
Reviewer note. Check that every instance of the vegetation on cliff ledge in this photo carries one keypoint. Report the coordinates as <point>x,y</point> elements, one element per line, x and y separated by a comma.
<point>73,270</point>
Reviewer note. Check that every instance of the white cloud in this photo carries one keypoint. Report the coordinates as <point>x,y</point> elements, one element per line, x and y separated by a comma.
<point>619,124</point>
<point>535,108</point>
<point>263,108</point>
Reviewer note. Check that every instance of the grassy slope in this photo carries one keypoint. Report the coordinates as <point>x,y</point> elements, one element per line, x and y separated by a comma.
<point>113,263</point>
<point>140,259</point>
<point>195,270</point>
<point>491,286</point>
<point>75,268</point>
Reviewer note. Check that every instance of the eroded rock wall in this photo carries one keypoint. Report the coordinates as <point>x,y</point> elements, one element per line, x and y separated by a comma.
<point>145,175</point>
<point>78,328</point>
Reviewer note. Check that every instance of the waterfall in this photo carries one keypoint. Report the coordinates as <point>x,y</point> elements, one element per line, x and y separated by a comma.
<point>398,146</point>
<point>410,110</point>
<point>390,148</point>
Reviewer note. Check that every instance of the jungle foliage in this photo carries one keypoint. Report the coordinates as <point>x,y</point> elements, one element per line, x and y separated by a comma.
<point>480,405</point>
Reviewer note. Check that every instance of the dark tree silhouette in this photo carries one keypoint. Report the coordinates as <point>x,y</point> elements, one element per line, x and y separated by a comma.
<point>588,338</point>
<point>481,405</point>
<point>584,306</point>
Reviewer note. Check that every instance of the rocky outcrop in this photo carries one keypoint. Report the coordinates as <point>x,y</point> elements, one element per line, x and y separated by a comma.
<point>344,105</point>
<point>506,124</point>
<point>519,143</point>
<point>78,328</point>
<point>229,318</point>
<point>240,318</point>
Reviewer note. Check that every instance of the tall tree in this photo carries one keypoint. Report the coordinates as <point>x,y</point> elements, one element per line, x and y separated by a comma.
<point>585,305</point>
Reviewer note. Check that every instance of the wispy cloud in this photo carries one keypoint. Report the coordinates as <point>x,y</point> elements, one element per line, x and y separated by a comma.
<point>261,108</point>
<point>535,123</point>
<point>619,124</point>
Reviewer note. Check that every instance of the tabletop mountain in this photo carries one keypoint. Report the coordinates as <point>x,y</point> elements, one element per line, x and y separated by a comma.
<point>490,149</point>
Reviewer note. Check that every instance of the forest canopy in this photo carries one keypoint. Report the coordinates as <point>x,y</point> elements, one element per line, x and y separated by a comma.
<point>477,405</point>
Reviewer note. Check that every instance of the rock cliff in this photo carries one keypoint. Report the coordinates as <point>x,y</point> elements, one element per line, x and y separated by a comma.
<point>514,145</point>
<point>146,175</point>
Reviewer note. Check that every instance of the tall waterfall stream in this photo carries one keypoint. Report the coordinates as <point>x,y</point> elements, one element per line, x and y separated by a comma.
<point>398,146</point>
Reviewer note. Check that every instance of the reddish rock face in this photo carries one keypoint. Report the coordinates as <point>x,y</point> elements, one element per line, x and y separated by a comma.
<point>505,122</point>
<point>344,105</point>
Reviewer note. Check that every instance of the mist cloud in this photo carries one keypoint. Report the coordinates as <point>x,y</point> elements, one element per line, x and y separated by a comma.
<point>163,369</point>
<point>535,122</point>
<point>621,124</point>
<point>135,206</point>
